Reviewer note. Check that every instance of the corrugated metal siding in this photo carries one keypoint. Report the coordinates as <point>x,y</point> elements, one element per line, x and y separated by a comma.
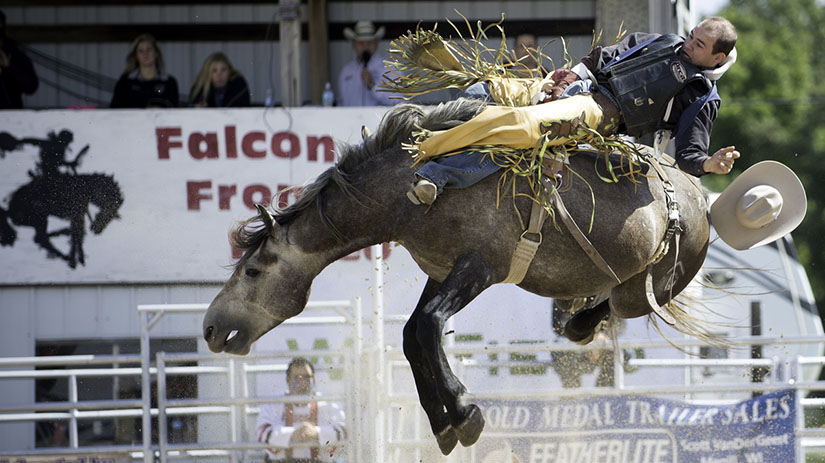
<point>258,61</point>
<point>37,313</point>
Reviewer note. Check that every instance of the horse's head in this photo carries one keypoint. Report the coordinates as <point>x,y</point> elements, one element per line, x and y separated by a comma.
<point>104,192</point>
<point>269,285</point>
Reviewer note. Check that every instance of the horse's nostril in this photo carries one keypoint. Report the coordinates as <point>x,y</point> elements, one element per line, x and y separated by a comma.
<point>208,332</point>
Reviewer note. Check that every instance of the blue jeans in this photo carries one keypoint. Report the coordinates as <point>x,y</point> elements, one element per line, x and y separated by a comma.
<point>463,169</point>
<point>459,170</point>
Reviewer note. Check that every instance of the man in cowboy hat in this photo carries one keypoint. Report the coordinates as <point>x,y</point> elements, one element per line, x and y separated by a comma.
<point>358,80</point>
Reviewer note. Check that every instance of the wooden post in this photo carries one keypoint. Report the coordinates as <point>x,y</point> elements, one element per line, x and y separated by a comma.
<point>319,49</point>
<point>290,14</point>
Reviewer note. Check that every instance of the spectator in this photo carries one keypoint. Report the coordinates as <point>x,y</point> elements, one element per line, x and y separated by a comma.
<point>219,85</point>
<point>314,422</point>
<point>17,74</point>
<point>145,84</point>
<point>525,50</point>
<point>357,82</point>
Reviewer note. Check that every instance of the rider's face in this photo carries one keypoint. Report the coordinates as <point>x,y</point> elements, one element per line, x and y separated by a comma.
<point>698,48</point>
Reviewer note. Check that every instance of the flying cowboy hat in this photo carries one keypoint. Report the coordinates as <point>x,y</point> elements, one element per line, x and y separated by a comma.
<point>364,30</point>
<point>764,203</point>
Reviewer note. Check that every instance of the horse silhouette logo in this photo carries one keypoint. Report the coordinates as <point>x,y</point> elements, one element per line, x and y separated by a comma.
<point>56,189</point>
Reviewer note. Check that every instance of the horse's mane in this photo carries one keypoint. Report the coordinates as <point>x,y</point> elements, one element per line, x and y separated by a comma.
<point>395,127</point>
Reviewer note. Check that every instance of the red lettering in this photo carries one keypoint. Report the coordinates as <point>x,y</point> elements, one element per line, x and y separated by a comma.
<point>164,140</point>
<point>326,143</point>
<point>231,144</point>
<point>248,142</point>
<point>294,145</point>
<point>225,194</point>
<point>194,194</point>
<point>196,139</point>
<point>262,192</point>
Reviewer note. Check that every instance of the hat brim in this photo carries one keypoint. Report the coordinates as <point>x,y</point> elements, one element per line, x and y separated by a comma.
<point>794,205</point>
<point>350,34</point>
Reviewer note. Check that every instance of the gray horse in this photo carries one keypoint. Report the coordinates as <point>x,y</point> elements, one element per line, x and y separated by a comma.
<point>464,243</point>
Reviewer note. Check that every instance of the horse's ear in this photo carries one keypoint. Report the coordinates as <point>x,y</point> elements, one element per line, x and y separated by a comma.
<point>266,218</point>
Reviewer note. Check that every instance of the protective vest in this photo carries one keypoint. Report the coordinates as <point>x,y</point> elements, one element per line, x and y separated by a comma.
<point>645,83</point>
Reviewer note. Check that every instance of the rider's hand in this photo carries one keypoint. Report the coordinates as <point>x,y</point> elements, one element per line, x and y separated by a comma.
<point>4,59</point>
<point>562,78</point>
<point>721,162</point>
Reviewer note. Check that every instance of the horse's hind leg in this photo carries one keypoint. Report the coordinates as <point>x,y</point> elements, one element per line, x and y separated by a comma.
<point>77,235</point>
<point>424,379</point>
<point>42,238</point>
<point>7,234</point>
<point>582,325</point>
<point>468,278</point>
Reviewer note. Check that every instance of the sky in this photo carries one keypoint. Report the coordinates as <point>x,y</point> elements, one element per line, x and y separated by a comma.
<point>706,7</point>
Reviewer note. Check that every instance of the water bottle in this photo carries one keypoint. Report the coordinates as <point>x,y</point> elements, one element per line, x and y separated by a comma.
<point>269,101</point>
<point>327,98</point>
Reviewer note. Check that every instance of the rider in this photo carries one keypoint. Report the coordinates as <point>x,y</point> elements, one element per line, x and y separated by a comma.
<point>643,83</point>
<point>53,152</point>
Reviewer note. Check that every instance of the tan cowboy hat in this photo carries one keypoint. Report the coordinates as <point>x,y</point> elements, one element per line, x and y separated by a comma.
<point>764,203</point>
<point>364,30</point>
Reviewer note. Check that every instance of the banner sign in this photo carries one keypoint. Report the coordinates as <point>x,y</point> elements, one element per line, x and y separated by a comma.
<point>149,195</point>
<point>635,429</point>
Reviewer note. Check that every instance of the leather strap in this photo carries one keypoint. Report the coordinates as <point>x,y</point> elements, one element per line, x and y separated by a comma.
<point>526,248</point>
<point>579,236</point>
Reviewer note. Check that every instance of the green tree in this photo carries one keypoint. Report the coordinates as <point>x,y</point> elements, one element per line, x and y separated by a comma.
<point>772,99</point>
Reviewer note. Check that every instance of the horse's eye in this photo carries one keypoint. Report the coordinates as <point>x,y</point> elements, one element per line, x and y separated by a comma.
<point>252,272</point>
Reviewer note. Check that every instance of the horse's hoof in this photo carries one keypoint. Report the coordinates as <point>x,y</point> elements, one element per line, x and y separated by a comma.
<point>469,431</point>
<point>447,439</point>
<point>585,341</point>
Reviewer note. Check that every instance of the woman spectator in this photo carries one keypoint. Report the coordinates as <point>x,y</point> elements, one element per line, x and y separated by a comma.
<point>145,84</point>
<point>219,85</point>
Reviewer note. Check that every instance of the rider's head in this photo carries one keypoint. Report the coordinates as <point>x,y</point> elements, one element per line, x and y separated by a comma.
<point>65,137</point>
<point>710,42</point>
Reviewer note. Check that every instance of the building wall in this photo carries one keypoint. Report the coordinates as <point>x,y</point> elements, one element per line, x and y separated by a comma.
<point>80,312</point>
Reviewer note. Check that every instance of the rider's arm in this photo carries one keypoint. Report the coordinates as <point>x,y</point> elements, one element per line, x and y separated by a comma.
<point>600,56</point>
<point>692,146</point>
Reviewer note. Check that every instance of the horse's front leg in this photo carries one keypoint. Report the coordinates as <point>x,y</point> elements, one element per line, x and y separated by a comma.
<point>468,278</point>
<point>424,379</point>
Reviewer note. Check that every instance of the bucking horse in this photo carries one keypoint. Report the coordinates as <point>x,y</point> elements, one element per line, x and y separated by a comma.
<point>464,243</point>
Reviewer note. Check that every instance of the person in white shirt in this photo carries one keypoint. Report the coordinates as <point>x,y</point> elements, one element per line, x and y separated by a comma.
<point>358,80</point>
<point>291,428</point>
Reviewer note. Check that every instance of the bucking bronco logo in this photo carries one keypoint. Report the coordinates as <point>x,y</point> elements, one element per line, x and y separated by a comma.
<point>56,189</point>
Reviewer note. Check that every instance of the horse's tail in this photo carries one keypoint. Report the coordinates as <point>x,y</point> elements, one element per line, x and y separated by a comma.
<point>7,234</point>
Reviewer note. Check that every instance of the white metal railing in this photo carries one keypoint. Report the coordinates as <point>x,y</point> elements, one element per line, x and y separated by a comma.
<point>348,314</point>
<point>240,402</point>
<point>236,407</point>
<point>807,439</point>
